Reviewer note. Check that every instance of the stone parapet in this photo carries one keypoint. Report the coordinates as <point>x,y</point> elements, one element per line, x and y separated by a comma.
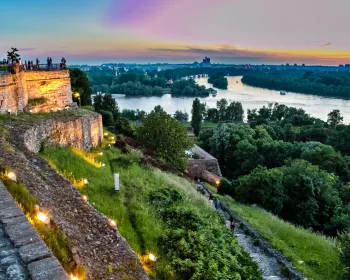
<point>27,256</point>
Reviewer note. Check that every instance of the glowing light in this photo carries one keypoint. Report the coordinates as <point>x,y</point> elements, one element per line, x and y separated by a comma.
<point>103,165</point>
<point>51,109</point>
<point>12,176</point>
<point>86,182</point>
<point>43,218</point>
<point>101,154</point>
<point>217,182</point>
<point>30,111</point>
<point>112,223</point>
<point>105,134</point>
<point>84,197</point>
<point>152,257</point>
<point>72,277</point>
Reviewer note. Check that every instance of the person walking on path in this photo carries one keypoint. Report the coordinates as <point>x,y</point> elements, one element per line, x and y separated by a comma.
<point>232,223</point>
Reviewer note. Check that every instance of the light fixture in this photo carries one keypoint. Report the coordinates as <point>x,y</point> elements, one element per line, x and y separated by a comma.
<point>51,110</point>
<point>43,218</point>
<point>103,165</point>
<point>217,182</point>
<point>101,154</point>
<point>30,111</point>
<point>84,197</point>
<point>86,182</point>
<point>12,176</point>
<point>152,257</point>
<point>112,223</point>
<point>72,277</point>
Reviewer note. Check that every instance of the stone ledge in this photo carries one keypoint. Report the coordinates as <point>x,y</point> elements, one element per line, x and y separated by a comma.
<point>35,255</point>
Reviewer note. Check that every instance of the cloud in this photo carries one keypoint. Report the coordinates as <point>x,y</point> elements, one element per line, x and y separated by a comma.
<point>26,49</point>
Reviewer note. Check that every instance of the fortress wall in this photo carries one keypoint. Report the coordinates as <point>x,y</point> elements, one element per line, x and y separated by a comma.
<point>53,87</point>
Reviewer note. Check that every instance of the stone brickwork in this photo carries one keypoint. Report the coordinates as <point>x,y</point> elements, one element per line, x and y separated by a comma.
<point>23,254</point>
<point>82,132</point>
<point>206,162</point>
<point>53,88</point>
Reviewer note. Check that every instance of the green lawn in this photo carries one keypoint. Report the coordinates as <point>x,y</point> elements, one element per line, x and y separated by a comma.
<point>319,254</point>
<point>204,124</point>
<point>138,220</point>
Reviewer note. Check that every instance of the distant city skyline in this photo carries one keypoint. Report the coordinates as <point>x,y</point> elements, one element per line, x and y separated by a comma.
<point>178,31</point>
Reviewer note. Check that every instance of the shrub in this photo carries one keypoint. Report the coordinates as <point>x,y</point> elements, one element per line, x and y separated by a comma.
<point>107,118</point>
<point>345,253</point>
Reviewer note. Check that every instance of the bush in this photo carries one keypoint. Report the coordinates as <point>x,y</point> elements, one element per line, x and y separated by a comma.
<point>107,118</point>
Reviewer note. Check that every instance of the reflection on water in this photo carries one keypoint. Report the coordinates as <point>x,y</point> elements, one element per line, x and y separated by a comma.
<point>250,97</point>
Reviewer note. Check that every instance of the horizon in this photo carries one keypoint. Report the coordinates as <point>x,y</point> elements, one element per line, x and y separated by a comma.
<point>229,32</point>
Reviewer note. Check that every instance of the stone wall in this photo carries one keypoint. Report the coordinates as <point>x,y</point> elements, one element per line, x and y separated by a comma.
<point>24,255</point>
<point>206,162</point>
<point>8,93</point>
<point>83,132</point>
<point>53,87</point>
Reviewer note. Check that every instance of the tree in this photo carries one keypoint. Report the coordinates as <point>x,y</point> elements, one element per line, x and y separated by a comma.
<point>181,116</point>
<point>109,104</point>
<point>80,86</point>
<point>334,118</point>
<point>263,187</point>
<point>98,102</point>
<point>221,105</point>
<point>196,116</point>
<point>212,115</point>
<point>235,112</point>
<point>159,109</point>
<point>13,55</point>
<point>166,137</point>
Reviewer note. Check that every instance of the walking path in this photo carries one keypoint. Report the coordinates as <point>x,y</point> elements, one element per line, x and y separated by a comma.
<point>270,262</point>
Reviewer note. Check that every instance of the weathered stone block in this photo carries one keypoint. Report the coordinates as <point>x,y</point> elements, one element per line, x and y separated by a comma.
<point>33,252</point>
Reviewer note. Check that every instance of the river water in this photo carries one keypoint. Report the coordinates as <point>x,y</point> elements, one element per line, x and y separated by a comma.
<point>250,97</point>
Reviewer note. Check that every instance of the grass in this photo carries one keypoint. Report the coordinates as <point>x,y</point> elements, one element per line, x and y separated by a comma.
<point>136,217</point>
<point>319,254</point>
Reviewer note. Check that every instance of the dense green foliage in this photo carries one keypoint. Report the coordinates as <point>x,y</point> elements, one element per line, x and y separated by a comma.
<point>162,214</point>
<point>218,80</point>
<point>107,107</point>
<point>181,116</point>
<point>80,84</point>
<point>288,163</point>
<point>165,136</point>
<point>335,84</point>
<point>188,88</point>
<point>196,116</point>
<point>133,83</point>
<point>311,253</point>
<point>224,111</point>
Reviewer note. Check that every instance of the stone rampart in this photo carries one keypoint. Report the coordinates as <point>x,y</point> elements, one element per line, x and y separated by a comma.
<point>38,91</point>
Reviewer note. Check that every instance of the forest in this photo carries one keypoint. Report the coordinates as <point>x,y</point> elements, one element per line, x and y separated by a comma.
<point>283,160</point>
<point>332,84</point>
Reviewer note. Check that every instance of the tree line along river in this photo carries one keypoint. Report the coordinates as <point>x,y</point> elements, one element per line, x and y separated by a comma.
<point>250,97</point>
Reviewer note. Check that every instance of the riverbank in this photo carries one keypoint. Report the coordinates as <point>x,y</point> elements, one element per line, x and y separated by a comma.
<point>250,97</point>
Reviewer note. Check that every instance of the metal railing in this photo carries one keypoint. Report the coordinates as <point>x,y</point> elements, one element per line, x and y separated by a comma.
<point>11,68</point>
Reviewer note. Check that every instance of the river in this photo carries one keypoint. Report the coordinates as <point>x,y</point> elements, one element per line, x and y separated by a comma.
<point>250,97</point>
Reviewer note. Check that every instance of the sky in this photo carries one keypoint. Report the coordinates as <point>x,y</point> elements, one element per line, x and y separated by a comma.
<point>178,31</point>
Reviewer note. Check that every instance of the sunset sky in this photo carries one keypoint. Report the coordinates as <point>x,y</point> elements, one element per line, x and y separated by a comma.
<point>229,31</point>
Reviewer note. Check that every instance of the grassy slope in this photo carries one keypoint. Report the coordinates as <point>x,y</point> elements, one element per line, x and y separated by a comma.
<point>296,244</point>
<point>131,209</point>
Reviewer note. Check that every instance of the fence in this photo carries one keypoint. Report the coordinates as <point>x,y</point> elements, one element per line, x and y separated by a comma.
<point>11,68</point>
